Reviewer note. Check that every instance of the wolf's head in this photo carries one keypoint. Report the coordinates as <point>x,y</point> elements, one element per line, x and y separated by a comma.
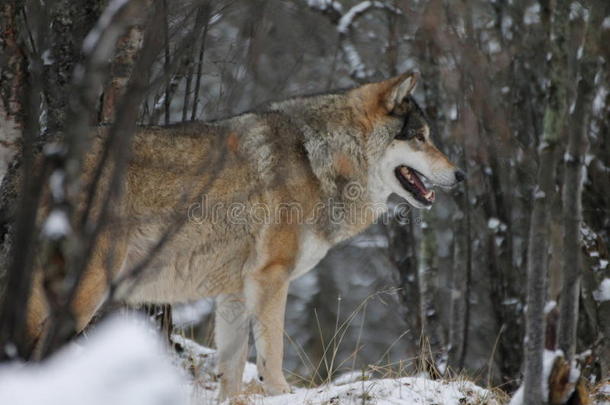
<point>403,159</point>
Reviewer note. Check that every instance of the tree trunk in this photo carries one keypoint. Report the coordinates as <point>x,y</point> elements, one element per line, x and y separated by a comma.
<point>432,346</point>
<point>127,51</point>
<point>403,253</point>
<point>537,258</point>
<point>574,175</point>
<point>13,73</point>
<point>70,22</point>
<point>460,287</point>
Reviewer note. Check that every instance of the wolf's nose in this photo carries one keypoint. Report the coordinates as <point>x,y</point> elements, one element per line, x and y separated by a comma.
<point>459,175</point>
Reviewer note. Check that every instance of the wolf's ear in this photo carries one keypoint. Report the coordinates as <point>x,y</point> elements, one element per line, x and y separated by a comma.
<point>402,87</point>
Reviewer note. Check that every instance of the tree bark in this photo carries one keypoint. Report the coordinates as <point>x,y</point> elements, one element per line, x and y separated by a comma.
<point>13,74</point>
<point>574,175</point>
<point>460,287</point>
<point>21,201</point>
<point>537,258</point>
<point>122,66</point>
<point>432,346</point>
<point>70,22</point>
<point>403,253</point>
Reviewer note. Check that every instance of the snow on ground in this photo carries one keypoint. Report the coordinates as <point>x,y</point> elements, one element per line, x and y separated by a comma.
<point>405,390</point>
<point>352,388</point>
<point>603,292</point>
<point>124,362</point>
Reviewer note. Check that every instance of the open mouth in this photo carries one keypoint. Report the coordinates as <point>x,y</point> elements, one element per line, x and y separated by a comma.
<point>411,180</point>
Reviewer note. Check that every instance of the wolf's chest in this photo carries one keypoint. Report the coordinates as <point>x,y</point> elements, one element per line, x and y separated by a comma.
<point>312,249</point>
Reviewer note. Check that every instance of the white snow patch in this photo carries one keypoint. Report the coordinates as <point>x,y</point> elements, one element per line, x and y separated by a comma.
<point>578,11</point>
<point>538,194</point>
<point>549,306</point>
<point>494,47</point>
<point>325,4</point>
<point>599,100</point>
<point>532,14</point>
<point>603,292</point>
<point>57,224</point>
<point>373,241</point>
<point>351,377</point>
<point>122,363</point>
<point>493,223</point>
<point>215,18</point>
<point>191,313</point>
<point>56,183</point>
<point>47,58</point>
<point>453,112</point>
<point>354,61</point>
<point>406,390</point>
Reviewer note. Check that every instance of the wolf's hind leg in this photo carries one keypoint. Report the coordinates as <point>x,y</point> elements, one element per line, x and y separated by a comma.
<point>266,293</point>
<point>231,335</point>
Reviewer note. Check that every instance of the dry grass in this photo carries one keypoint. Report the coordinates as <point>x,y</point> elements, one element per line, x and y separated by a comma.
<point>329,365</point>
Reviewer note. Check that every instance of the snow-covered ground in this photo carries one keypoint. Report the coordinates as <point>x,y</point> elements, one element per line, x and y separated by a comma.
<point>124,361</point>
<point>353,388</point>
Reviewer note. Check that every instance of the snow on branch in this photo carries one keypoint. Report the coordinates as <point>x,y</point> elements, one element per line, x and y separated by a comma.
<point>344,22</point>
<point>325,5</point>
<point>348,18</point>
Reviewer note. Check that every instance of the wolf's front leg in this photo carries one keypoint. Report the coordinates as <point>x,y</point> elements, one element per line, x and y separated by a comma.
<point>266,293</point>
<point>231,335</point>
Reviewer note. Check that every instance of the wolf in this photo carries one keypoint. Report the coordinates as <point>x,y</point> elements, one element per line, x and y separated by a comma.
<point>259,198</point>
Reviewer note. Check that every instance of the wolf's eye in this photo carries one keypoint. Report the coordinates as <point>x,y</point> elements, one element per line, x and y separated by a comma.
<point>420,137</point>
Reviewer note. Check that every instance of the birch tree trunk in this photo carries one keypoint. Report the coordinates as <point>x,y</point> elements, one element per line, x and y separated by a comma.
<point>127,51</point>
<point>537,258</point>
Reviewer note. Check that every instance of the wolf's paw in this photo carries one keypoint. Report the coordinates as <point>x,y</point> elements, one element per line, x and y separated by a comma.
<point>276,388</point>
